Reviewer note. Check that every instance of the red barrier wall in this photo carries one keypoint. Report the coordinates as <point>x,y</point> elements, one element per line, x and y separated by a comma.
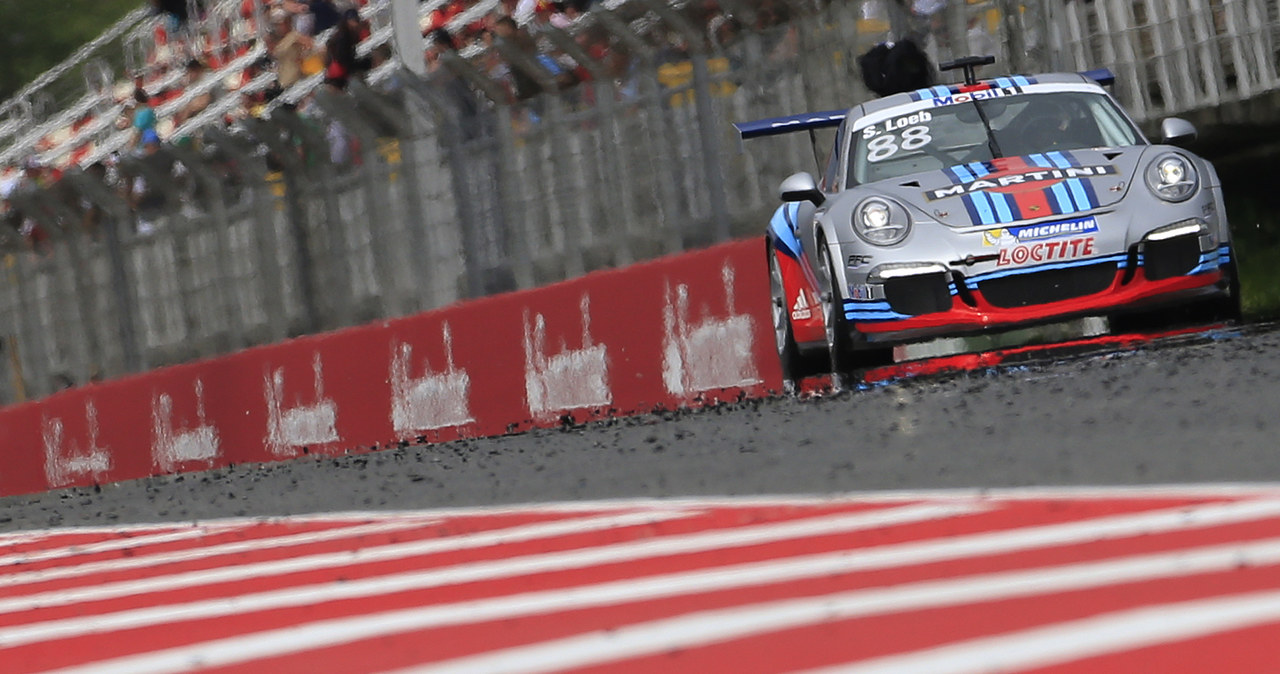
<point>673,332</point>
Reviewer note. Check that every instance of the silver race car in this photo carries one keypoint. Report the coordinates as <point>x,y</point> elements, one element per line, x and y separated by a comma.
<point>988,205</point>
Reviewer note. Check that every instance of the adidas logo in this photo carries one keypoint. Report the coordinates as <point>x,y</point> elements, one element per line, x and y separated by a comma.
<point>801,310</point>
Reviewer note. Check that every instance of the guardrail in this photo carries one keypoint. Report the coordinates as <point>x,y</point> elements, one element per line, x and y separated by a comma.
<point>446,188</point>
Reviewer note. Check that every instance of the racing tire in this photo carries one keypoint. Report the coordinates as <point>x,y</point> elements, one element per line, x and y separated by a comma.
<point>839,339</point>
<point>1229,309</point>
<point>796,365</point>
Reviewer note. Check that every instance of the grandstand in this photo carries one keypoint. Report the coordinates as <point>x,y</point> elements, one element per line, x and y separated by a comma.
<point>581,141</point>
<point>227,35</point>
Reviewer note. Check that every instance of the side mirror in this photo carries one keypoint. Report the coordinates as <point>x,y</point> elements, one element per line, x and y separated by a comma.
<point>801,187</point>
<point>1177,131</point>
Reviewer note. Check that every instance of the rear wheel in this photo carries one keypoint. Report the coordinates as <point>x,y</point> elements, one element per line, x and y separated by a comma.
<point>795,364</point>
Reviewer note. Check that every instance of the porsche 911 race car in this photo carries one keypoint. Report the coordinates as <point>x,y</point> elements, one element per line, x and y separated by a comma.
<point>988,205</point>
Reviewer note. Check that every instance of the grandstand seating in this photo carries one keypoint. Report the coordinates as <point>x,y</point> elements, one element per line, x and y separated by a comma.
<point>229,37</point>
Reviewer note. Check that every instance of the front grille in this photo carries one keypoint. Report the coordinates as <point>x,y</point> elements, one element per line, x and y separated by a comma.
<point>1054,285</point>
<point>918,294</point>
<point>1170,258</point>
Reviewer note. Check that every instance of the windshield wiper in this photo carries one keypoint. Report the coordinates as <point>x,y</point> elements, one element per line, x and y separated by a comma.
<point>992,145</point>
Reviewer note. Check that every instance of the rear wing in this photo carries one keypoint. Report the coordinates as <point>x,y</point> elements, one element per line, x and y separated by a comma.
<point>776,126</point>
<point>1102,76</point>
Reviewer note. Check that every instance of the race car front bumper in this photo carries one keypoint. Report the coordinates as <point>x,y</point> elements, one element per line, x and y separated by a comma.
<point>934,302</point>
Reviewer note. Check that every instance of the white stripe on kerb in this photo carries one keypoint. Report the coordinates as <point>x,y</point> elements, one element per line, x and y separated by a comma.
<point>472,572</point>
<point>77,549</point>
<point>192,554</point>
<point>1107,634</point>
<point>1204,490</point>
<point>709,627</point>
<point>936,593</point>
<point>329,560</point>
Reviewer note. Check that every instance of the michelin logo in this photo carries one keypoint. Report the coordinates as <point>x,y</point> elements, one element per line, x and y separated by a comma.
<point>1011,236</point>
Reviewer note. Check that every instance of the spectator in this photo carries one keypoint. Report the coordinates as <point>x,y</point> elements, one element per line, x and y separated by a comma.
<point>314,16</point>
<point>144,115</point>
<point>146,200</point>
<point>382,55</point>
<point>91,214</point>
<point>524,85</point>
<point>341,51</point>
<point>174,10</point>
<point>195,72</point>
<point>289,48</point>
<point>456,94</point>
<point>34,176</point>
<point>441,16</point>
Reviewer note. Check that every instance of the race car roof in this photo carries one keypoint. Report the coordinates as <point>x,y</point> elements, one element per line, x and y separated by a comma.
<point>1015,83</point>
<point>939,95</point>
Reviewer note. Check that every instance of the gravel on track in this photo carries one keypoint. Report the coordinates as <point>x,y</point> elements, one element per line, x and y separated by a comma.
<point>1189,411</point>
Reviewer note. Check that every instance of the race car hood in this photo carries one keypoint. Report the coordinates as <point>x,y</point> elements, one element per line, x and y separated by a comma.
<point>1016,189</point>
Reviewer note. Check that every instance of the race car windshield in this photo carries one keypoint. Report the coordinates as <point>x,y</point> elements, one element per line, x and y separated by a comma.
<point>935,138</point>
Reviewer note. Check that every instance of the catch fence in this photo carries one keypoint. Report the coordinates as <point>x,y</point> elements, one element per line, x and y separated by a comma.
<point>412,193</point>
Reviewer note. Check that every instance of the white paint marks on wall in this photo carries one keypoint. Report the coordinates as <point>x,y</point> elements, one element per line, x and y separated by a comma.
<point>302,425</point>
<point>710,354</point>
<point>435,400</point>
<point>171,446</point>
<point>68,459</point>
<point>571,379</point>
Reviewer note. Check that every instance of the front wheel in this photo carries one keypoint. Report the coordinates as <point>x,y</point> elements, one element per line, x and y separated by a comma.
<point>839,341</point>
<point>1229,308</point>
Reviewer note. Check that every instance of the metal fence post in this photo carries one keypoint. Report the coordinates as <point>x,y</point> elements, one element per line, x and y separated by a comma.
<point>157,171</point>
<point>609,166</point>
<point>267,266</point>
<point>397,119</point>
<point>279,139</point>
<point>374,181</point>
<point>54,200</point>
<point>216,202</point>
<point>318,181</point>
<point>1014,35</point>
<point>514,268</point>
<point>450,133</point>
<point>651,96</point>
<point>551,126</point>
<point>125,290</point>
<point>708,122</point>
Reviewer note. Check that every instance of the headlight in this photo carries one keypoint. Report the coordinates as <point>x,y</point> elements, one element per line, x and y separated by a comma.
<point>1172,178</point>
<point>881,222</point>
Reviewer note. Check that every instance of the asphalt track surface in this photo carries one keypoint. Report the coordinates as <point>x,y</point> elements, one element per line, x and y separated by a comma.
<point>1204,409</point>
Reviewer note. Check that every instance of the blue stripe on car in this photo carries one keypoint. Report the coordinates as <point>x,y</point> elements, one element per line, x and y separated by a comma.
<point>1078,193</point>
<point>983,205</point>
<point>871,310</point>
<point>783,230</point>
<point>1063,159</point>
<point>1063,198</point>
<point>1001,203</point>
